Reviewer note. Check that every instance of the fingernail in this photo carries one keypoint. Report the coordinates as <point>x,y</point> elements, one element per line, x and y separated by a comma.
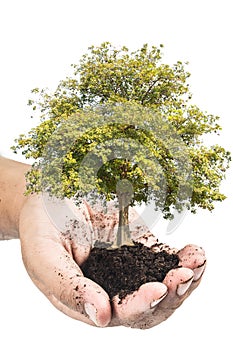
<point>183,287</point>
<point>155,302</point>
<point>91,312</point>
<point>198,272</point>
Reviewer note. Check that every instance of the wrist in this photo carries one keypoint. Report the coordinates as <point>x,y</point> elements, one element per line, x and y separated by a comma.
<point>8,235</point>
<point>12,198</point>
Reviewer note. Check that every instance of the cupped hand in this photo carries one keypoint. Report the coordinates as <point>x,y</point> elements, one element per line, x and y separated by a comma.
<point>53,259</point>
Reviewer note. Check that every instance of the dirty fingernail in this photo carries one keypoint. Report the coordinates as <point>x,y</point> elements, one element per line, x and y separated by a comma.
<point>198,272</point>
<point>91,312</point>
<point>155,302</point>
<point>183,287</point>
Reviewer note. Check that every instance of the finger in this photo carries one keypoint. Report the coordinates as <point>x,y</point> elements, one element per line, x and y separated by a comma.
<point>193,257</point>
<point>144,310</point>
<point>130,309</point>
<point>178,281</point>
<point>54,271</point>
<point>180,284</point>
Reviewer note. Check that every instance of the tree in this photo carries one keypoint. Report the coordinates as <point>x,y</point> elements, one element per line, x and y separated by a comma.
<point>123,127</point>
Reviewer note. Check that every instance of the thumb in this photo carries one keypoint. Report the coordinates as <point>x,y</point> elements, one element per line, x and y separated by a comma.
<point>87,302</point>
<point>57,275</point>
<point>55,272</point>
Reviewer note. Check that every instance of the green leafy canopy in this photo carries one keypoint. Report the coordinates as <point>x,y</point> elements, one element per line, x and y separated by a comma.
<point>125,120</point>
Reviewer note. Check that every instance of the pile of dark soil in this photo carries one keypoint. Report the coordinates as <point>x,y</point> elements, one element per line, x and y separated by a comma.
<point>123,270</point>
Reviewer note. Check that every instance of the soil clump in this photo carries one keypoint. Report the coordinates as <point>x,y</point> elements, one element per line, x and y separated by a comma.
<point>123,270</point>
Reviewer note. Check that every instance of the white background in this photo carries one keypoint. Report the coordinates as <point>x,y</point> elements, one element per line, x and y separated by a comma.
<point>39,41</point>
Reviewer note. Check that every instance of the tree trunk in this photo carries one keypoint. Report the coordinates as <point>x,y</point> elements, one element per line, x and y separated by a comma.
<point>123,232</point>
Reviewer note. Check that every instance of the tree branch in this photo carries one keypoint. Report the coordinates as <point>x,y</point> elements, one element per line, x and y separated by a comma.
<point>149,89</point>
